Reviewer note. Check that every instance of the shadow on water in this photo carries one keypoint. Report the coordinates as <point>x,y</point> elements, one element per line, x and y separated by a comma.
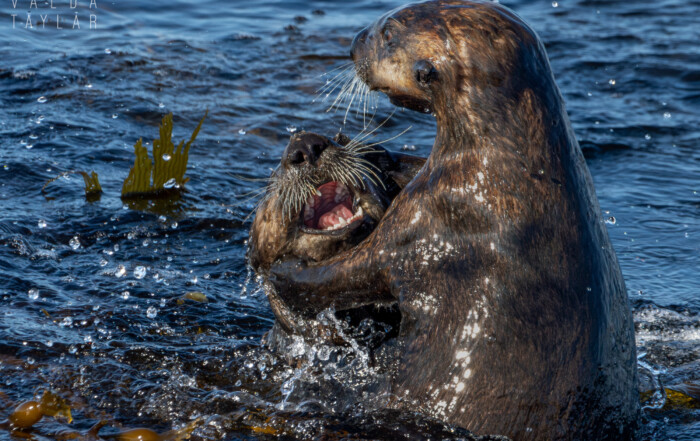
<point>102,302</point>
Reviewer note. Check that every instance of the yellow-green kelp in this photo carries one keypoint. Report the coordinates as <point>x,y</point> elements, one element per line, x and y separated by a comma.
<point>166,173</point>
<point>93,189</point>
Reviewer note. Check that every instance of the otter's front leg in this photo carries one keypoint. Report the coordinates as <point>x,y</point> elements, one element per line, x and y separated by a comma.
<point>349,280</point>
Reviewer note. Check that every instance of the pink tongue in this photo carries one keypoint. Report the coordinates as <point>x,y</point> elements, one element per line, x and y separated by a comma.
<point>332,218</point>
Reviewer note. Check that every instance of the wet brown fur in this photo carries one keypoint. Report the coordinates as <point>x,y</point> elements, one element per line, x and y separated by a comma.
<point>515,314</point>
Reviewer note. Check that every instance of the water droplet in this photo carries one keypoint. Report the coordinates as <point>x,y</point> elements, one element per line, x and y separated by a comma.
<point>555,4</point>
<point>72,349</point>
<point>611,81</point>
<point>241,132</point>
<point>115,116</point>
<point>162,218</point>
<point>49,343</point>
<point>30,361</point>
<point>120,271</point>
<point>33,293</point>
<point>67,321</point>
<point>173,225</point>
<point>140,272</point>
<point>291,129</point>
<point>88,86</point>
<point>588,288</point>
<point>611,220</point>
<point>667,115</point>
<point>170,183</point>
<point>647,137</point>
<point>42,223</point>
<point>125,295</point>
<point>108,51</point>
<point>166,157</point>
<point>74,243</point>
<point>161,105</point>
<point>151,312</point>
<point>103,262</point>
<point>33,136</point>
<point>324,353</point>
<point>41,99</point>
<point>29,146</point>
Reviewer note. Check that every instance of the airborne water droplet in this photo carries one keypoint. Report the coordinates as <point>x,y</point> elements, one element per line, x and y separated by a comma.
<point>33,293</point>
<point>291,129</point>
<point>74,243</point>
<point>170,183</point>
<point>151,312</point>
<point>42,223</point>
<point>241,132</point>
<point>41,99</point>
<point>166,157</point>
<point>140,272</point>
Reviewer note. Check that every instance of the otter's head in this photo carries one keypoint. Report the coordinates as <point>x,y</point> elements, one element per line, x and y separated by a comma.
<point>432,56</point>
<point>325,197</point>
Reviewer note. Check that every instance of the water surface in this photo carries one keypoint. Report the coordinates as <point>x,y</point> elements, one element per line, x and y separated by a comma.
<point>89,299</point>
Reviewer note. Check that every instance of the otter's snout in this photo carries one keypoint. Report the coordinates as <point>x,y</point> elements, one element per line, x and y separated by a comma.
<point>304,148</point>
<point>359,40</point>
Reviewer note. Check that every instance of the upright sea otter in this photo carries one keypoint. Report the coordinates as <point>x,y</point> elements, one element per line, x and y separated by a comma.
<point>515,318</point>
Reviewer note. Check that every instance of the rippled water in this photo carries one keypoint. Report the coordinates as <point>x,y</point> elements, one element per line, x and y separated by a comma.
<point>89,300</point>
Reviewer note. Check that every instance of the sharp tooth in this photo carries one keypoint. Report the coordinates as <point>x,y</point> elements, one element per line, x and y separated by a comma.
<point>359,212</point>
<point>318,193</point>
<point>342,222</point>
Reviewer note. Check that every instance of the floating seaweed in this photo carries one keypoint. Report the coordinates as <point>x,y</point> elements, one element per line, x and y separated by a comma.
<point>165,174</point>
<point>93,189</point>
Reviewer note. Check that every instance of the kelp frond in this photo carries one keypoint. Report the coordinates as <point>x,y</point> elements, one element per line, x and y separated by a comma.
<point>92,183</point>
<point>93,189</point>
<point>166,172</point>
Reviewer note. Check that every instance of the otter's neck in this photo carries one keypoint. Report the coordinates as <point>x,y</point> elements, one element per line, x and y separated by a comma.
<point>518,128</point>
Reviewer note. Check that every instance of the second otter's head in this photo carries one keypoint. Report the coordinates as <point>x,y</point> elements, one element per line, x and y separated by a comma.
<point>325,197</point>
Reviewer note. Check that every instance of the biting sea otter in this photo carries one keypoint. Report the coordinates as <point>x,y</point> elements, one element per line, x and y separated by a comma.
<point>515,318</point>
<point>326,196</point>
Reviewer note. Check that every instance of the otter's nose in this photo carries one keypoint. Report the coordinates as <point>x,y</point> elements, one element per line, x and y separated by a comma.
<point>358,40</point>
<point>305,148</point>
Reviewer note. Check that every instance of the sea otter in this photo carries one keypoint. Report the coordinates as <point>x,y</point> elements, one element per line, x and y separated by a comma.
<point>326,196</point>
<point>515,318</point>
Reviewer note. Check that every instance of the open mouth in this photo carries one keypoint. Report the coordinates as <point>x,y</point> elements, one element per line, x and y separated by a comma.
<point>331,208</point>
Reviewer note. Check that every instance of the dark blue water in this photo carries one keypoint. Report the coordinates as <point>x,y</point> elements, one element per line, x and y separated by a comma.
<point>118,345</point>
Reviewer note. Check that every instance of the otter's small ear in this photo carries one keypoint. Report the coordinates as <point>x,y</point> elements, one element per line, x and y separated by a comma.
<point>425,72</point>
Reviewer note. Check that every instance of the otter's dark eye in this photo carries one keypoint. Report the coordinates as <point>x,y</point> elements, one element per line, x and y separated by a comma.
<point>387,34</point>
